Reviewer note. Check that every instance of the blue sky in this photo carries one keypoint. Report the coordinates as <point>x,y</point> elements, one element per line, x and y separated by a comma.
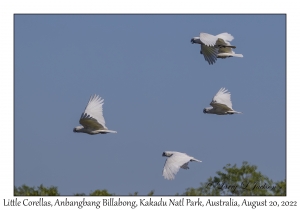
<point>155,85</point>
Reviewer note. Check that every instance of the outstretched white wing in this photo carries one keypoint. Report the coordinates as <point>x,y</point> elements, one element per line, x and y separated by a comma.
<point>222,100</point>
<point>208,39</point>
<point>173,164</point>
<point>226,37</point>
<point>210,53</point>
<point>92,117</point>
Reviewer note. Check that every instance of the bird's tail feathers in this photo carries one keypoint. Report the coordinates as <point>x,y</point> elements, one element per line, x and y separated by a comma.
<point>194,159</point>
<point>108,131</point>
<point>235,112</point>
<point>225,55</point>
<point>238,55</point>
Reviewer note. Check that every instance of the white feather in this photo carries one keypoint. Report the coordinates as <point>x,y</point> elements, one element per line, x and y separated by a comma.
<point>209,53</point>
<point>223,97</point>
<point>226,52</point>
<point>226,37</point>
<point>94,109</point>
<point>208,39</point>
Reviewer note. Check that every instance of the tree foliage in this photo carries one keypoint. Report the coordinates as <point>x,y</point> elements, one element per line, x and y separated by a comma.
<point>101,193</point>
<point>96,193</point>
<point>24,190</point>
<point>280,188</point>
<point>239,181</point>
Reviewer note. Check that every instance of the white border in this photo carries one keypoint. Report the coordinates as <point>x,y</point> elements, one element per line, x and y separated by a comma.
<point>8,8</point>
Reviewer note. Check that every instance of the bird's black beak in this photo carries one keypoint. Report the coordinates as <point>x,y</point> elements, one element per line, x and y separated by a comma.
<point>163,154</point>
<point>192,41</point>
<point>74,130</point>
<point>204,111</point>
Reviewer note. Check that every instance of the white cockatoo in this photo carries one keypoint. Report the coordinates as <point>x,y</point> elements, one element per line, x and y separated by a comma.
<point>92,119</point>
<point>211,44</point>
<point>174,162</point>
<point>221,104</point>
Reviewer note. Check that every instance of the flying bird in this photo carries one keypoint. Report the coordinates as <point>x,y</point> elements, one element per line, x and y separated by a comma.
<point>221,104</point>
<point>211,44</point>
<point>92,119</point>
<point>174,162</point>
